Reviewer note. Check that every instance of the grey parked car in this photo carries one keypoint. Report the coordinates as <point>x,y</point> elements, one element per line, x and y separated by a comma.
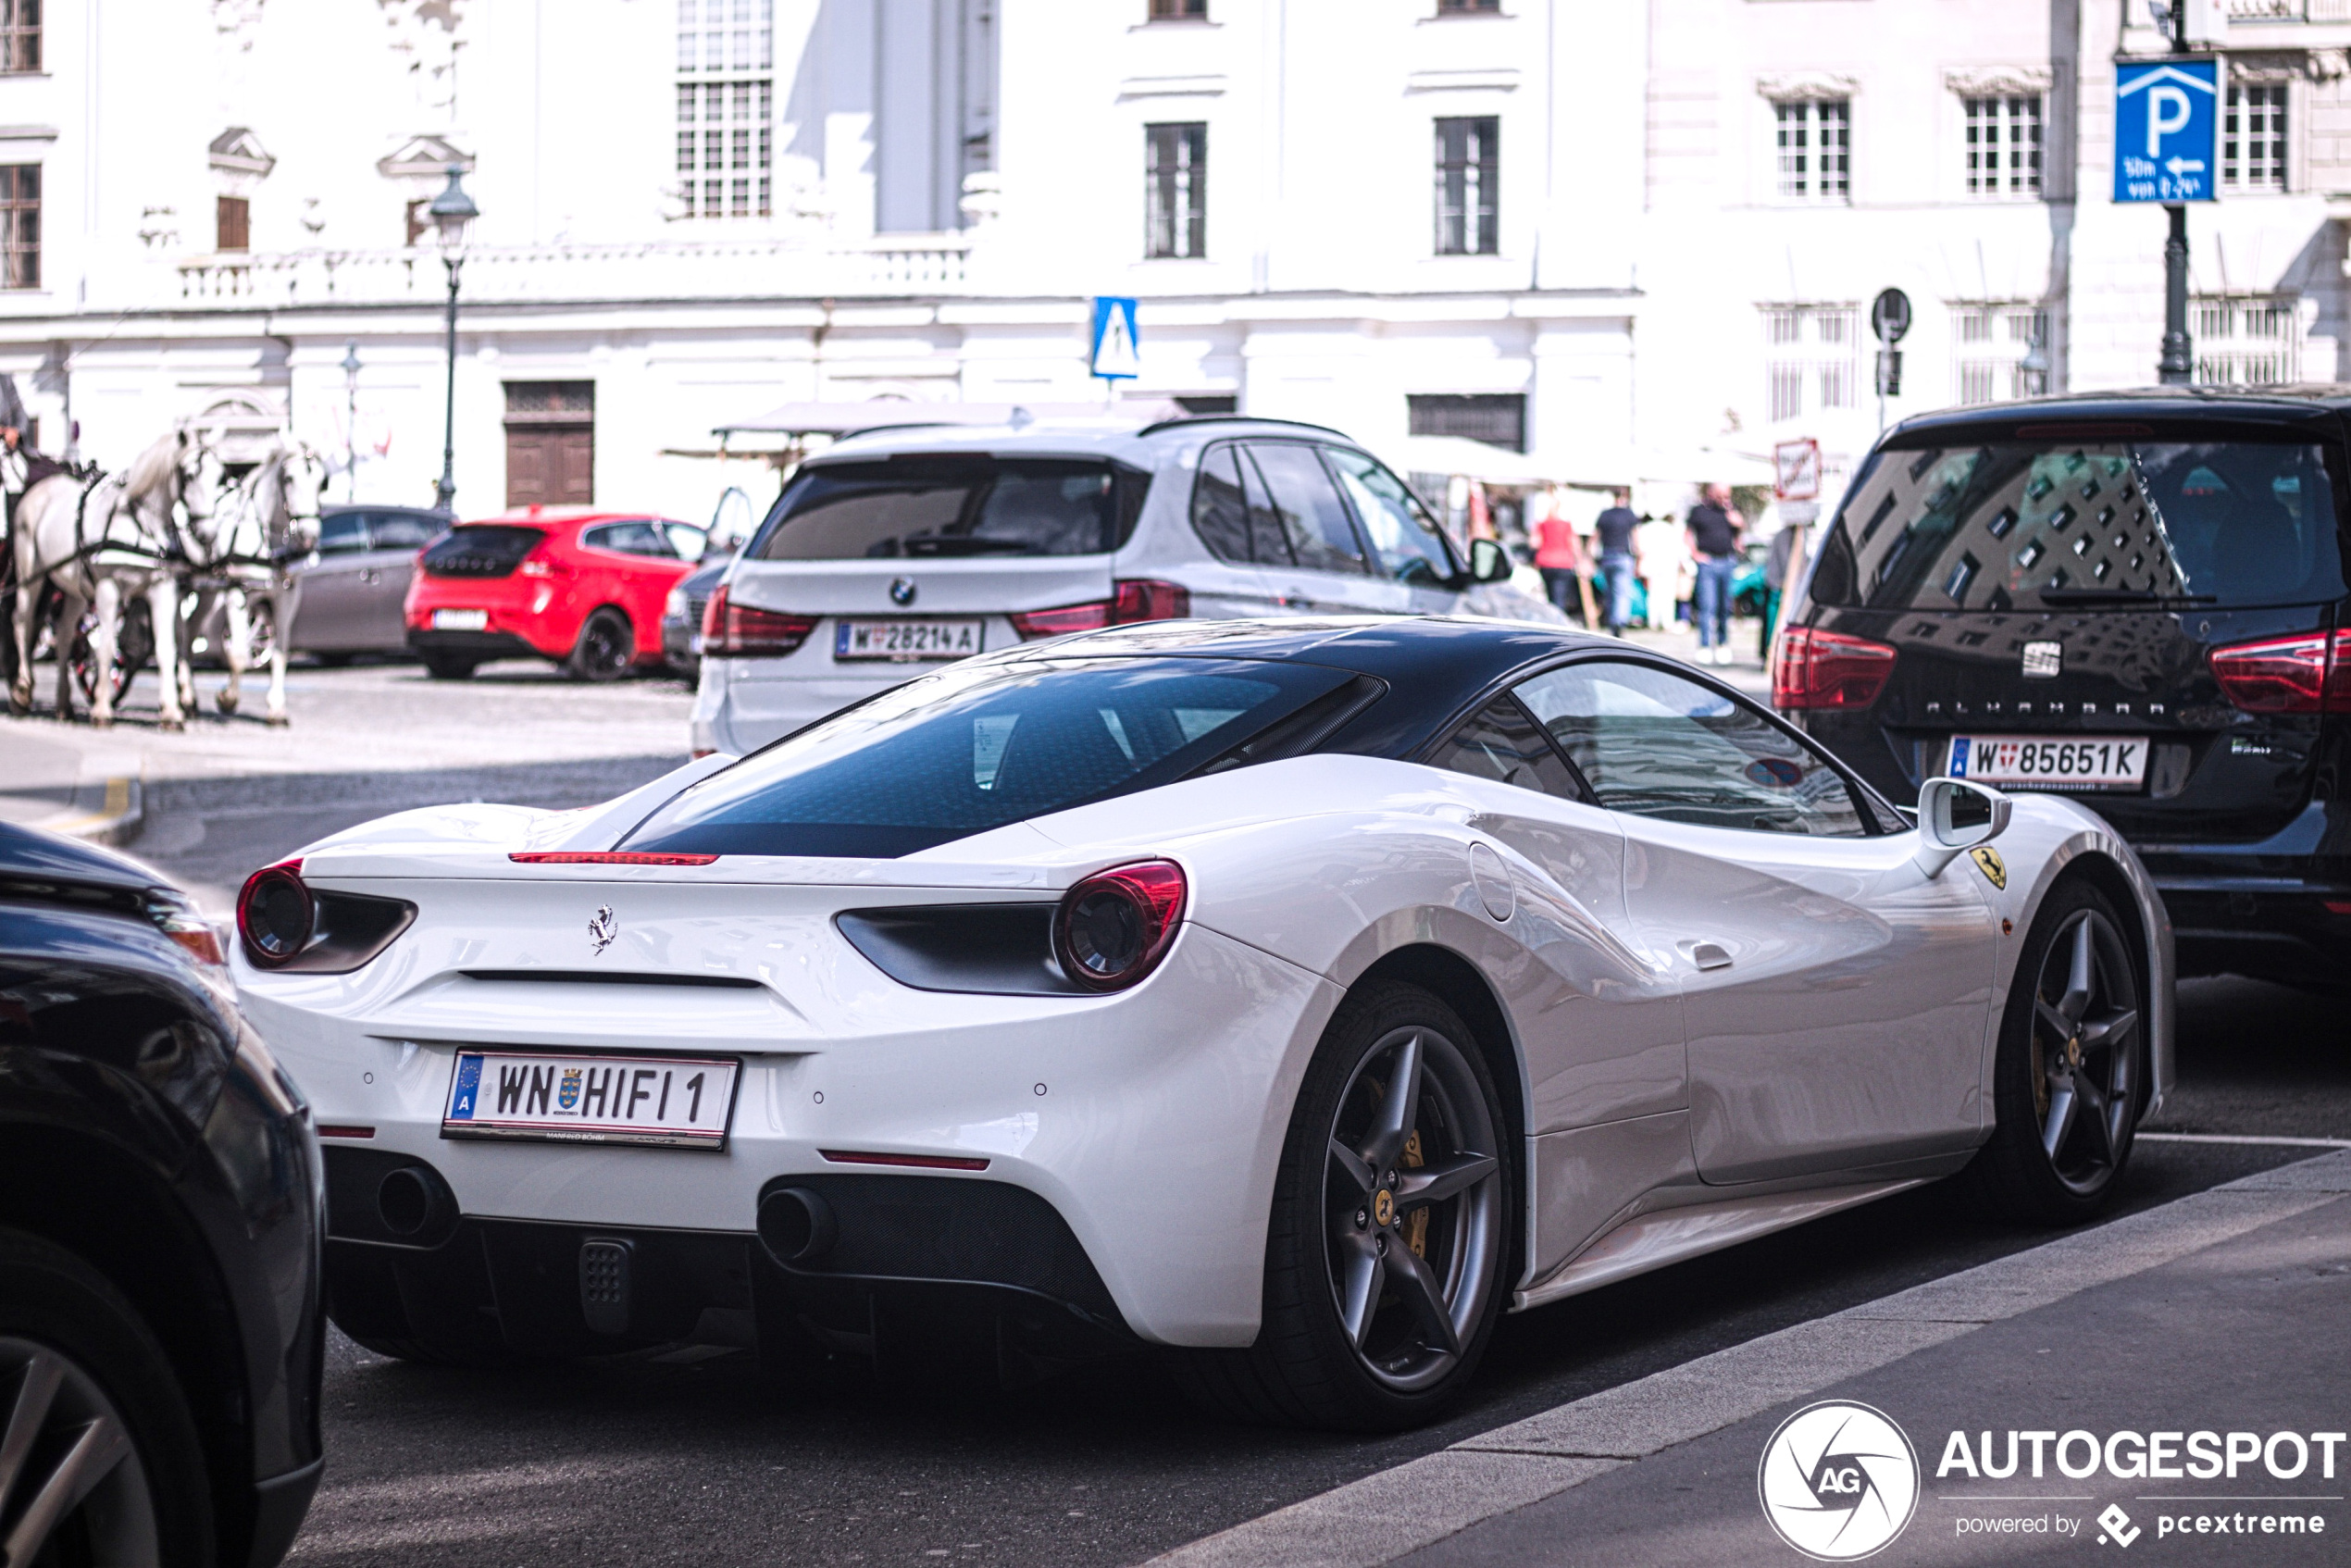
<point>348,597</point>
<point>681,616</point>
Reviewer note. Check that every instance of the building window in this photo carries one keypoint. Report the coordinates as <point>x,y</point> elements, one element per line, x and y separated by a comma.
<point>2246,340</point>
<point>2004,145</point>
<point>1179,10</point>
<point>20,226</point>
<point>1176,190</point>
<point>1496,419</point>
<point>726,108</point>
<point>1468,166</point>
<point>1468,7</point>
<point>232,224</point>
<point>1815,149</point>
<point>2253,138</point>
<point>1995,355</point>
<point>1812,359</point>
<point>20,36</point>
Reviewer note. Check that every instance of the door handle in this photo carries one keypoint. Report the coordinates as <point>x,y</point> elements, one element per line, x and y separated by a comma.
<point>1706,955</point>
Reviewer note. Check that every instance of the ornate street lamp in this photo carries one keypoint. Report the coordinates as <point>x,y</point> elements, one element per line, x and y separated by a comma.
<point>351,413</point>
<point>452,213</point>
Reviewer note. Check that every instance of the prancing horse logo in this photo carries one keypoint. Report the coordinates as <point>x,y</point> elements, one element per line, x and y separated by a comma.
<point>602,927</point>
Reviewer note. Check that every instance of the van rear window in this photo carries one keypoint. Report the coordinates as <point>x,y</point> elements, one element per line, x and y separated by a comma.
<point>2066,526</point>
<point>952,504</point>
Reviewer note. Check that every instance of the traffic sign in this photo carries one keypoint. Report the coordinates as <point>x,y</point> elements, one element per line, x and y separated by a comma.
<point>1890,316</point>
<point>2167,118</point>
<point>1114,356</point>
<point>1796,470</point>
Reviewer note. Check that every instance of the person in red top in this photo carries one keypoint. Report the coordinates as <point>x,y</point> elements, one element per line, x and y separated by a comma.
<point>1560,559</point>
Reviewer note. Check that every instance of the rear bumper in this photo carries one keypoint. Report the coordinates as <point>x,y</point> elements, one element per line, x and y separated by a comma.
<point>2272,927</point>
<point>482,645</point>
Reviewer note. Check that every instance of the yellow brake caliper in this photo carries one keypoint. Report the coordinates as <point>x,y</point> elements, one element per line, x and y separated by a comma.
<point>1416,1225</point>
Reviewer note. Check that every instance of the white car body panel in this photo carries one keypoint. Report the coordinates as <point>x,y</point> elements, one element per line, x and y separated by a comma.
<point>1667,1109</point>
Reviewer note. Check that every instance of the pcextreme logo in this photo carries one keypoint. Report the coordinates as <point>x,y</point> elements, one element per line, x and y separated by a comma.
<point>1838,1481</point>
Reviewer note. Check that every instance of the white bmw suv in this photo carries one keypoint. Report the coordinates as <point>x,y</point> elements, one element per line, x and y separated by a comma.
<point>919,544</point>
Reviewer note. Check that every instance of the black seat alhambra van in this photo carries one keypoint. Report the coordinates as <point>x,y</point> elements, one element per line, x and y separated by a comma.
<point>2137,599</point>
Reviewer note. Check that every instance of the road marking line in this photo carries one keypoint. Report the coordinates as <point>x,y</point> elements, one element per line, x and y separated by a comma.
<point>1396,1511</point>
<point>2244,1137</point>
<point>115,823</point>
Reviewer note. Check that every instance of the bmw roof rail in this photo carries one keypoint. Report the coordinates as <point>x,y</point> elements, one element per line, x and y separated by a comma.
<point>1238,419</point>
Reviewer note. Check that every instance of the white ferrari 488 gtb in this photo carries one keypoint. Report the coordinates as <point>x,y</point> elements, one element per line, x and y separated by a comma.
<point>1294,996</point>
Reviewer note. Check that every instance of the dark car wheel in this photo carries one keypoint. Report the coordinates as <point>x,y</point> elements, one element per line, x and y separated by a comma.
<point>2071,1075</point>
<point>449,666</point>
<point>607,646</point>
<point>100,1462</point>
<point>1387,1253</point>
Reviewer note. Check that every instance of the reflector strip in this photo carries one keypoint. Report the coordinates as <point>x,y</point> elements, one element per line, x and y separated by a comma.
<point>916,1162</point>
<point>608,857</point>
<point>338,1129</point>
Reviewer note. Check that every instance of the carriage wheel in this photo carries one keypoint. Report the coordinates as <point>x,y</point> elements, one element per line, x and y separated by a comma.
<point>134,649</point>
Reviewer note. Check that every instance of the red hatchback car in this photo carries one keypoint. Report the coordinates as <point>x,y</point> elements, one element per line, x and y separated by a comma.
<point>585,589</point>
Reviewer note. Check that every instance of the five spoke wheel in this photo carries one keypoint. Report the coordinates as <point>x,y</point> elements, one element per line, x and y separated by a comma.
<point>2085,1029</point>
<point>1410,1199</point>
<point>71,1487</point>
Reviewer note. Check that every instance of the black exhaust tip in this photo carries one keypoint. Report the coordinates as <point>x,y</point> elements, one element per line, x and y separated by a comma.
<point>410,1200</point>
<point>796,1226</point>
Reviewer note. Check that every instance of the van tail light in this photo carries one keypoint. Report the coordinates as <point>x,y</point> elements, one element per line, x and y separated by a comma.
<point>1828,670</point>
<point>1135,600</point>
<point>1113,927</point>
<point>741,631</point>
<point>276,914</point>
<point>2308,674</point>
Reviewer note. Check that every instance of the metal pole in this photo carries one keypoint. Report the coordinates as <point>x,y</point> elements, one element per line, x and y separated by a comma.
<point>2176,368</point>
<point>445,492</point>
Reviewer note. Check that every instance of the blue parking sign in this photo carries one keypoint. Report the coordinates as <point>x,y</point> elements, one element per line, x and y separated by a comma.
<point>2167,118</point>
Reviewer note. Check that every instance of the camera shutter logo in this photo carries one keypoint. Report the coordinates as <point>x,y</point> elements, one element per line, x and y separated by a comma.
<point>1838,1481</point>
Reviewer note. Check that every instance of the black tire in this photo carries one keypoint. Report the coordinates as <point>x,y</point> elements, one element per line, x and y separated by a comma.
<point>449,666</point>
<point>2047,1163</point>
<point>606,649</point>
<point>1305,1369</point>
<point>62,1321</point>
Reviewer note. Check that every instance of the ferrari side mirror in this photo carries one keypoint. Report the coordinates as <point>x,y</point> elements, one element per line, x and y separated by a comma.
<point>1488,561</point>
<point>1955,816</point>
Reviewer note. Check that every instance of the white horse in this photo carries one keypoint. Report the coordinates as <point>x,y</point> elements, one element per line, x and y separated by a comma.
<point>265,523</point>
<point>100,542</point>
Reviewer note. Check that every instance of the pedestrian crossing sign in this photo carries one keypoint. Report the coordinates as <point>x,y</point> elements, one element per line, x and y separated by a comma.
<point>1114,356</point>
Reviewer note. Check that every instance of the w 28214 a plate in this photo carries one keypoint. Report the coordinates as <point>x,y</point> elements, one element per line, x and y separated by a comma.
<point>658,1101</point>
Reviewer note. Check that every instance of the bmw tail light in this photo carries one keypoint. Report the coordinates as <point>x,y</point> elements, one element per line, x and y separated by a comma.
<point>276,914</point>
<point>1134,600</point>
<point>742,631</point>
<point>2310,674</point>
<point>1113,927</point>
<point>1828,670</point>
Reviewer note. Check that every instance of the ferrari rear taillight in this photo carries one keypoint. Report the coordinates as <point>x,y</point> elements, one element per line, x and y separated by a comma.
<point>2307,673</point>
<point>276,914</point>
<point>1113,927</point>
<point>607,857</point>
<point>1134,600</point>
<point>1828,670</point>
<point>742,631</point>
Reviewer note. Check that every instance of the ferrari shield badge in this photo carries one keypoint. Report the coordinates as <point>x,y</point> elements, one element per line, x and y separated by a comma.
<point>1988,860</point>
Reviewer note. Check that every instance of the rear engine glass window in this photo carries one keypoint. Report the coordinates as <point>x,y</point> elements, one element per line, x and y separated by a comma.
<point>2073,525</point>
<point>979,746</point>
<point>479,550</point>
<point>953,506</point>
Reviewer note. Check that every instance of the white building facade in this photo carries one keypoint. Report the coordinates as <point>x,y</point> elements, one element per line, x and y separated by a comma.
<point>1635,239</point>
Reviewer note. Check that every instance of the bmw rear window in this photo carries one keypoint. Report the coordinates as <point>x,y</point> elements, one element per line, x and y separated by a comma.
<point>978,746</point>
<point>2069,525</point>
<point>952,504</point>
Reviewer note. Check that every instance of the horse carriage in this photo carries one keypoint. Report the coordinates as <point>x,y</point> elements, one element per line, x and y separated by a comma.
<point>97,562</point>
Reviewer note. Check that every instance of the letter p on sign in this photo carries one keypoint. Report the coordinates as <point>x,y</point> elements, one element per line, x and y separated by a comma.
<point>2168,112</point>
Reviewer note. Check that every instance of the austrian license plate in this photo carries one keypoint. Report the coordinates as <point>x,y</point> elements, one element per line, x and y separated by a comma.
<point>664,1101</point>
<point>2079,762</point>
<point>908,640</point>
<point>460,620</point>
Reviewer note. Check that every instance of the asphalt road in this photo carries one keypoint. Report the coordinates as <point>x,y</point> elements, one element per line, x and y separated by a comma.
<point>690,1462</point>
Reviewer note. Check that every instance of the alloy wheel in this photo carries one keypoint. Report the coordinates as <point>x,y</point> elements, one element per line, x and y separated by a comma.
<point>1411,1195</point>
<point>606,647</point>
<point>71,1487</point>
<point>2085,1051</point>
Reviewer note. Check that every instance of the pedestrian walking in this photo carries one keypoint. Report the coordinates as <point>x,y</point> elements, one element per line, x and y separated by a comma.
<point>1559,558</point>
<point>1661,551</point>
<point>1713,529</point>
<point>1615,537</point>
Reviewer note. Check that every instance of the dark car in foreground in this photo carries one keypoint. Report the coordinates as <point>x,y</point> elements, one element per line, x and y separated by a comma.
<point>161,1201</point>
<point>2137,599</point>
